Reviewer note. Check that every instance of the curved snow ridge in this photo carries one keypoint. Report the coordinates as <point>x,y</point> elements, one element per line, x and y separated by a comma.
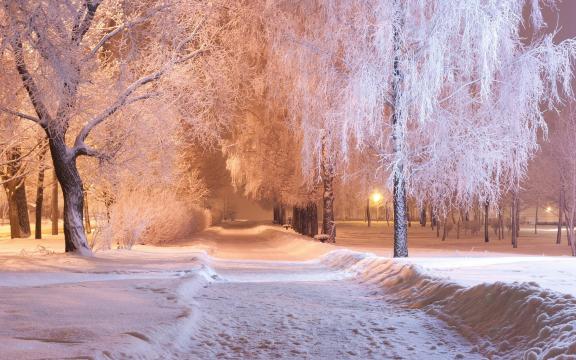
<point>504,320</point>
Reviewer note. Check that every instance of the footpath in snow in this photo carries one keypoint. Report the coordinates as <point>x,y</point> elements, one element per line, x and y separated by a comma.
<point>260,293</point>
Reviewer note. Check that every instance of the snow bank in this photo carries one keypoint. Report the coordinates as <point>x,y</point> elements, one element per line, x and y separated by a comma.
<point>504,320</point>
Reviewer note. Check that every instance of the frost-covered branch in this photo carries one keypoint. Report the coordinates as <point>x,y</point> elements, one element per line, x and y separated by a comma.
<point>20,115</point>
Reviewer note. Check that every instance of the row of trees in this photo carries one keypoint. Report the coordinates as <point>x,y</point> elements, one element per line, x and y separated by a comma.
<point>441,103</point>
<point>449,96</point>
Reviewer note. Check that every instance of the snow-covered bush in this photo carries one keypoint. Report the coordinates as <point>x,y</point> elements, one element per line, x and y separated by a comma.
<point>156,217</point>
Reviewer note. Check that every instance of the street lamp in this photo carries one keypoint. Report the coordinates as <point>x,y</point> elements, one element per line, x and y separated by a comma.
<point>376,198</point>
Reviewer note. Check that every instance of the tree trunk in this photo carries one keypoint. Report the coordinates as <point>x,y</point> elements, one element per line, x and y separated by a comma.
<point>368,217</point>
<point>486,234</point>
<point>87,224</point>
<point>514,219</point>
<point>536,219</point>
<point>282,214</point>
<point>313,219</point>
<point>458,225</point>
<point>570,231</point>
<point>400,211</point>
<point>22,206</point>
<point>444,230</point>
<point>13,217</point>
<point>40,195</point>
<point>560,207</point>
<point>423,216</point>
<point>328,223</point>
<point>72,190</point>
<point>15,188</point>
<point>387,215</point>
<point>55,211</point>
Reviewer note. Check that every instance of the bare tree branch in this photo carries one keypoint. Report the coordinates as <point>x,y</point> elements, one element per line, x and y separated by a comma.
<point>29,83</point>
<point>124,26</point>
<point>80,29</point>
<point>19,114</point>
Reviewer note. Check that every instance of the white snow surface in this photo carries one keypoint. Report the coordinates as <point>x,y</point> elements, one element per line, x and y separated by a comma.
<point>262,293</point>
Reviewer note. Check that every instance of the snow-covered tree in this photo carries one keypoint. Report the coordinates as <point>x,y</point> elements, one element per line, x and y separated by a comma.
<point>450,93</point>
<point>82,63</point>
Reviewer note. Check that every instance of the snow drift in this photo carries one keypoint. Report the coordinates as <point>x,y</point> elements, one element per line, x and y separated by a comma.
<point>504,320</point>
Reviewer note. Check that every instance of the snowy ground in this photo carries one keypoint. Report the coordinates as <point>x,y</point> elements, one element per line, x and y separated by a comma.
<point>258,292</point>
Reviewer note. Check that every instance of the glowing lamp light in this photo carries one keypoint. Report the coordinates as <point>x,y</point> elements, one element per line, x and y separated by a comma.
<point>376,197</point>
<point>548,209</point>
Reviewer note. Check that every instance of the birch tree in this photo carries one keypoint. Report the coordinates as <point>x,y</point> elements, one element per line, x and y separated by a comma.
<point>450,93</point>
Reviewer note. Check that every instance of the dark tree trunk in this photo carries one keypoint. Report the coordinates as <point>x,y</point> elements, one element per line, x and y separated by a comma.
<point>514,219</point>
<point>568,224</point>
<point>282,214</point>
<point>72,190</point>
<point>536,219</point>
<point>40,195</point>
<point>458,225</point>
<point>423,216</point>
<point>15,187</point>
<point>13,217</point>
<point>22,206</point>
<point>276,215</point>
<point>368,216</point>
<point>87,224</point>
<point>313,219</point>
<point>560,207</point>
<point>303,222</point>
<point>54,205</point>
<point>486,233</point>
<point>500,224</point>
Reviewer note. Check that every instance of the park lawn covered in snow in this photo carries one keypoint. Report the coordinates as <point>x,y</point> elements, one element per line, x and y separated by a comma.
<point>255,291</point>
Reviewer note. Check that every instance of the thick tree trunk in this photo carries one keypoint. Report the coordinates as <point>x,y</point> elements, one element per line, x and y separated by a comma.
<point>72,190</point>
<point>282,214</point>
<point>486,233</point>
<point>400,211</point>
<point>313,219</point>
<point>13,217</point>
<point>87,224</point>
<point>15,187</point>
<point>54,204</point>
<point>40,195</point>
<point>22,206</point>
